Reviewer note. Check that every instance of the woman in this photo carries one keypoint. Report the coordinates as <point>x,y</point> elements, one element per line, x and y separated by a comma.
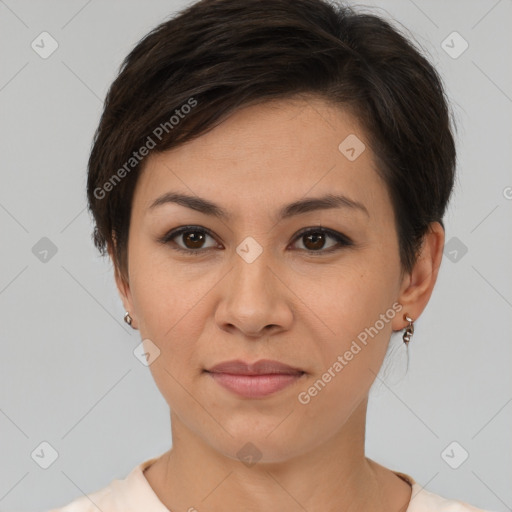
<point>269,178</point>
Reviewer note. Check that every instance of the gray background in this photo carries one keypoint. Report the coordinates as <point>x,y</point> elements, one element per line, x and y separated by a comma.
<point>68,373</point>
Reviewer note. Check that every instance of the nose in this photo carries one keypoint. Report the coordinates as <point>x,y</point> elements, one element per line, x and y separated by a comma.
<point>254,299</point>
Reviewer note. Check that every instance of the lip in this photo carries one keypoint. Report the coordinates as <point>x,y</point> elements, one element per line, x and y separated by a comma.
<point>256,380</point>
<point>261,367</point>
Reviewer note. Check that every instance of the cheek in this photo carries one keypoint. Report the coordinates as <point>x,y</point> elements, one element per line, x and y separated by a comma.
<point>167,308</point>
<point>169,315</point>
<point>355,306</point>
<point>351,357</point>
<point>162,292</point>
<point>351,295</point>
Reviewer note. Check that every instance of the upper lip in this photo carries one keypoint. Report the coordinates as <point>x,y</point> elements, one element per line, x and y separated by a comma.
<point>261,367</point>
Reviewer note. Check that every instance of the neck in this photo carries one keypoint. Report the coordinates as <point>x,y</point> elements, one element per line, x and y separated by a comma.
<point>335,475</point>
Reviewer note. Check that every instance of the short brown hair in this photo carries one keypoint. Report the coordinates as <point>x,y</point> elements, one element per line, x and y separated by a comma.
<point>216,56</point>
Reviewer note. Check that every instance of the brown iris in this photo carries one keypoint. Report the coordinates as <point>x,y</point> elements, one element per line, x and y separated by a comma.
<point>317,241</point>
<point>195,238</point>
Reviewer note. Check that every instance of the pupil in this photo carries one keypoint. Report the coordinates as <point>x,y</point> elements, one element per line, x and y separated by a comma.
<point>318,240</point>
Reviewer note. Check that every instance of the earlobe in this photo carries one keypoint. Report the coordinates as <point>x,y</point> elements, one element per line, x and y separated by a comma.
<point>123,288</point>
<point>125,293</point>
<point>418,285</point>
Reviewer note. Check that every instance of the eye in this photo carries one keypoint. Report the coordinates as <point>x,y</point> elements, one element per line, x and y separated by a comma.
<point>314,240</point>
<point>192,238</point>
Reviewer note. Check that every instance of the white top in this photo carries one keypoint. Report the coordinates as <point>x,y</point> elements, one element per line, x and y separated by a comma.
<point>134,494</point>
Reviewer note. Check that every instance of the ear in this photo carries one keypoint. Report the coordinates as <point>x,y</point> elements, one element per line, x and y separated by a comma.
<point>123,287</point>
<point>417,286</point>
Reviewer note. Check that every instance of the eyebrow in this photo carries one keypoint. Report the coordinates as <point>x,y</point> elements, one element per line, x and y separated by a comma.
<point>296,208</point>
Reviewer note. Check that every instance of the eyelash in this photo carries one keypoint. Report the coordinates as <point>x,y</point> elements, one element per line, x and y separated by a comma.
<point>343,241</point>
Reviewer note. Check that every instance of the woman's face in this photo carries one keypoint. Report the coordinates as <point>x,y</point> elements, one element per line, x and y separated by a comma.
<point>253,285</point>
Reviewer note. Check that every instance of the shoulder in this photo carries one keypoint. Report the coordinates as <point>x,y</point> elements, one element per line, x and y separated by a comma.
<point>101,499</point>
<point>131,493</point>
<point>425,501</point>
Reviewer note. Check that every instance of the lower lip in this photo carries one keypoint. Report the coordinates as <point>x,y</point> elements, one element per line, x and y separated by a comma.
<point>255,386</point>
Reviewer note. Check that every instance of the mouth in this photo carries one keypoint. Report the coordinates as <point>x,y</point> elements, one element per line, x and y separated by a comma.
<point>261,367</point>
<point>257,380</point>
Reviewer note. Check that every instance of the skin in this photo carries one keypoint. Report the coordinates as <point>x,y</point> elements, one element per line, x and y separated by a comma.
<point>291,304</point>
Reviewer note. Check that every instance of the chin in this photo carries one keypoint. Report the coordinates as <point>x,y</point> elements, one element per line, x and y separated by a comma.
<point>251,447</point>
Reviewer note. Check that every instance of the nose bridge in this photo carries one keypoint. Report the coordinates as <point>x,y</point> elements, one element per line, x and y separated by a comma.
<point>252,276</point>
<point>253,300</point>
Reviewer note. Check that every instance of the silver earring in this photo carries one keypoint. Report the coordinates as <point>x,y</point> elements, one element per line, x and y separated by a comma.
<point>128,319</point>
<point>409,330</point>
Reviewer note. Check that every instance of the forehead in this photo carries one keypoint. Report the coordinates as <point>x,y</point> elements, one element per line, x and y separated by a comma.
<point>279,128</point>
<point>284,149</point>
